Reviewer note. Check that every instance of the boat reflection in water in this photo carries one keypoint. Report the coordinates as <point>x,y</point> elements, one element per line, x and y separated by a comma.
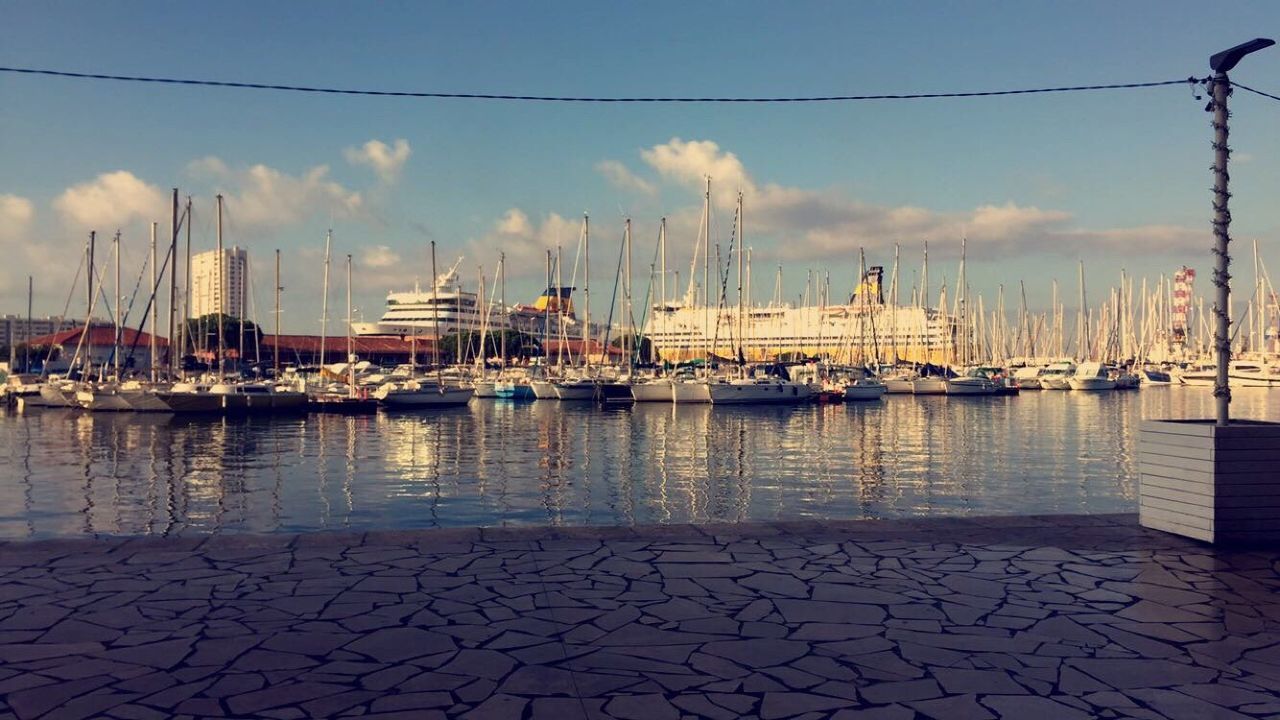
<point>502,463</point>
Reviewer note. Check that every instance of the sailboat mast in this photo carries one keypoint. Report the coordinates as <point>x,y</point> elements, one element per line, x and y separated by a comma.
<point>484,324</point>
<point>351,349</point>
<point>115,307</point>
<point>629,338</point>
<point>173,289</point>
<point>435,314</point>
<point>155,306</point>
<point>706,276</point>
<point>560,334</point>
<point>741,370</point>
<point>324,300</point>
<point>275,346</point>
<point>506,315</point>
<point>1261,303</point>
<point>243,298</point>
<point>1082,342</point>
<point>662,281</point>
<point>186,303</point>
<point>89,253</point>
<point>586,291</point>
<point>546,314</point>
<point>222,294</point>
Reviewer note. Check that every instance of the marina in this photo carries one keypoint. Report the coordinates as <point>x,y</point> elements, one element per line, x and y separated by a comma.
<point>499,463</point>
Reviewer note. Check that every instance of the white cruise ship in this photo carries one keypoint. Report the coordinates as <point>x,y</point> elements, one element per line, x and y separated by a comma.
<point>447,308</point>
<point>864,330</point>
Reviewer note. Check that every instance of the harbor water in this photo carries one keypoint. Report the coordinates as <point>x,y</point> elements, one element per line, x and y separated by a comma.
<point>496,463</point>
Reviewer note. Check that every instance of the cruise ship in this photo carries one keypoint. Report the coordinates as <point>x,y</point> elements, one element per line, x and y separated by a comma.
<point>865,329</point>
<point>446,307</point>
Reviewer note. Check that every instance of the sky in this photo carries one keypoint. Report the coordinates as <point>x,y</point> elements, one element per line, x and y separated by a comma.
<point>1033,184</point>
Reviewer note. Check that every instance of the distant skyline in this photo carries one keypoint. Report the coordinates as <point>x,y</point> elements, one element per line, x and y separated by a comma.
<point>1118,179</point>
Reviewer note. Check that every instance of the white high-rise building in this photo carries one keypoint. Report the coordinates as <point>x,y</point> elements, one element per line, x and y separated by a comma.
<point>208,296</point>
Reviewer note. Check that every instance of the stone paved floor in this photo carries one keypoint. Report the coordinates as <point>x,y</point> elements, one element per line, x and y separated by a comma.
<point>1045,617</point>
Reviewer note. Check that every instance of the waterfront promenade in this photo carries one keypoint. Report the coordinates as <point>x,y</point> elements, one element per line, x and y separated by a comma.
<point>1010,617</point>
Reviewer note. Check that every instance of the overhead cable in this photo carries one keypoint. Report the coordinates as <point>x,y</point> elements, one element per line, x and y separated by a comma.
<point>588,99</point>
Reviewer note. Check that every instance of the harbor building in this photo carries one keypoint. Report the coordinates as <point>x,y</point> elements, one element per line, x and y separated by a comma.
<point>14,328</point>
<point>100,347</point>
<point>210,296</point>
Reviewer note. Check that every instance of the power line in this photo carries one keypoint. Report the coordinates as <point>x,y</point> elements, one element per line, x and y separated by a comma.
<point>1255,92</point>
<point>590,99</point>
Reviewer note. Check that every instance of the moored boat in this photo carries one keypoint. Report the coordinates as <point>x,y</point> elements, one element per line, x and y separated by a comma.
<point>422,394</point>
<point>652,390</point>
<point>1091,376</point>
<point>1057,376</point>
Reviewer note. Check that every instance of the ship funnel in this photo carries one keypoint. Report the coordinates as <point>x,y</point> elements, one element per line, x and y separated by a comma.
<point>871,289</point>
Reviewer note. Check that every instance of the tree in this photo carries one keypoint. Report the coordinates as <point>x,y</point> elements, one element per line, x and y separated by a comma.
<point>518,344</point>
<point>643,348</point>
<point>202,334</point>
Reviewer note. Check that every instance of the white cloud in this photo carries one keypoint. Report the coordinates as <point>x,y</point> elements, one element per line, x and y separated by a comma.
<point>526,242</point>
<point>380,256</point>
<point>385,160</point>
<point>815,224</point>
<point>262,196</point>
<point>110,200</point>
<point>690,162</point>
<point>51,258</point>
<point>620,177</point>
<point>16,214</point>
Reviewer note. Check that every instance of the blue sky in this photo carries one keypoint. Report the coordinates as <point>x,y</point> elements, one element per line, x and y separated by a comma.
<point>1117,179</point>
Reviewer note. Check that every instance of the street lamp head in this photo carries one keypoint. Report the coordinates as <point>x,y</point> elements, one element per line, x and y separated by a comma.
<point>1226,60</point>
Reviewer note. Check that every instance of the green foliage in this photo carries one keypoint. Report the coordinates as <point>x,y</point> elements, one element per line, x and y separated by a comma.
<point>203,332</point>
<point>519,345</point>
<point>641,346</point>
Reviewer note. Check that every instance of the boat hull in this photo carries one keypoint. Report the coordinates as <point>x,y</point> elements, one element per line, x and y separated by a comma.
<point>929,386</point>
<point>145,401</point>
<point>655,391</point>
<point>690,392</point>
<point>543,390</point>
<point>615,393</point>
<point>427,397</point>
<point>192,402</point>
<point>899,386</point>
<point>485,389</point>
<point>1092,384</point>
<point>863,393</point>
<point>966,386</point>
<point>575,390</point>
<point>749,393</point>
<point>341,405</point>
<point>102,400</point>
<point>54,396</point>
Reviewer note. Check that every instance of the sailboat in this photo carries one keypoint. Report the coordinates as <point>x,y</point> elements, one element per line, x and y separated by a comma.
<point>747,388</point>
<point>353,400</point>
<point>617,388</point>
<point>418,393</point>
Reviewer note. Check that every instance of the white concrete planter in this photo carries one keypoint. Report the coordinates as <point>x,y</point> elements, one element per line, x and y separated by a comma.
<point>1217,484</point>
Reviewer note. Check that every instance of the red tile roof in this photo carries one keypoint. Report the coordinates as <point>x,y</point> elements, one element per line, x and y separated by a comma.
<point>338,343</point>
<point>100,336</point>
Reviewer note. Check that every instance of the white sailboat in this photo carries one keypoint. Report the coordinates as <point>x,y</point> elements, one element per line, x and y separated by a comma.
<point>416,393</point>
<point>1091,376</point>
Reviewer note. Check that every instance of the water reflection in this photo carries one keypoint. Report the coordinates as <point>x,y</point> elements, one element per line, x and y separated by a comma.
<point>563,464</point>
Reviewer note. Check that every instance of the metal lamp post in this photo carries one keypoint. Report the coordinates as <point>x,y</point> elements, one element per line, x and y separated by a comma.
<point>1221,63</point>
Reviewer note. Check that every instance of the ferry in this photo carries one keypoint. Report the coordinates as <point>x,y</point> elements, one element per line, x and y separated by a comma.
<point>445,308</point>
<point>866,327</point>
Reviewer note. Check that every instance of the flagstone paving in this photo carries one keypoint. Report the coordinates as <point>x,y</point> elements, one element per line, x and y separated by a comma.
<point>1023,617</point>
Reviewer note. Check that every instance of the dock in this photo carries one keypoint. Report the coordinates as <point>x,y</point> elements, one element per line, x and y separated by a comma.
<point>987,617</point>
